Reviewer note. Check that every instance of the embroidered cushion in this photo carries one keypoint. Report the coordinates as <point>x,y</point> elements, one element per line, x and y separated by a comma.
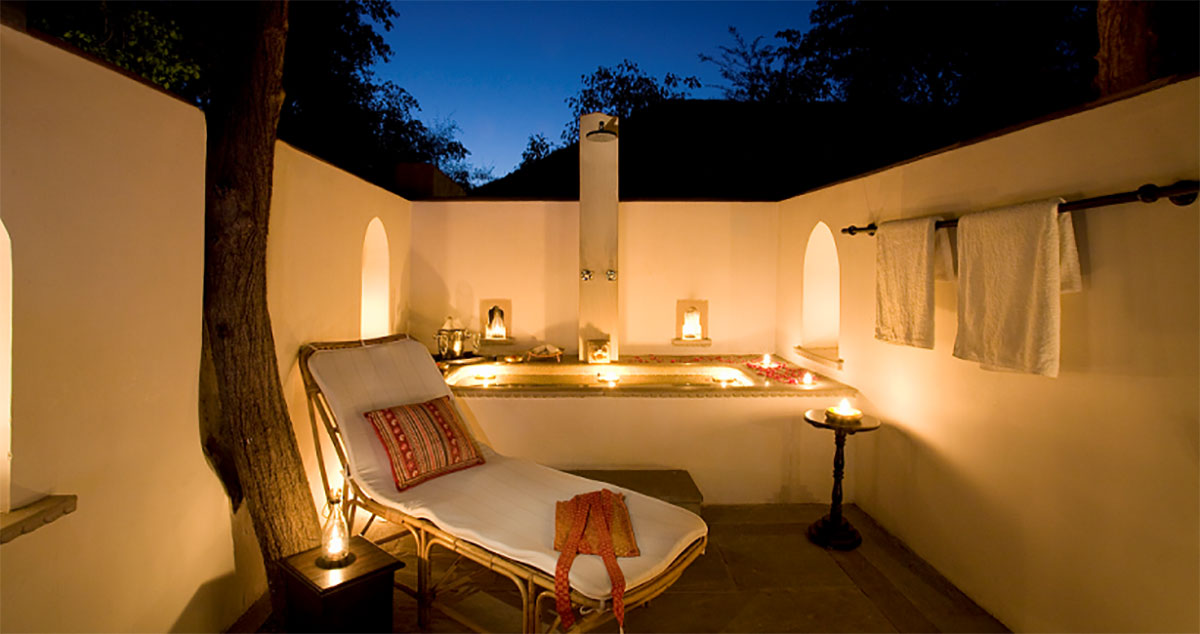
<point>424,441</point>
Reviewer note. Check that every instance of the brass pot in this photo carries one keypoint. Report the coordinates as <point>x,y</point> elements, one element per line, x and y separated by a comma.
<point>452,342</point>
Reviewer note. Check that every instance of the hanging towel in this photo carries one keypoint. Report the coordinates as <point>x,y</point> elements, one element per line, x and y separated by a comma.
<point>1013,263</point>
<point>909,254</point>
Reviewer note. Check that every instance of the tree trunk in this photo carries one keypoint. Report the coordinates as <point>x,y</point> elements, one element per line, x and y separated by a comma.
<point>248,431</point>
<point>1128,45</point>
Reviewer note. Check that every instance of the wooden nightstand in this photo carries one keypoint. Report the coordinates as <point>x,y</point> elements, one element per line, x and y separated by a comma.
<point>357,598</point>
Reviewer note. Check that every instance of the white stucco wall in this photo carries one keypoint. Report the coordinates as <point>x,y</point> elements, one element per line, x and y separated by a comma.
<point>724,252</point>
<point>465,252</point>
<point>103,196</point>
<point>319,218</point>
<point>738,450</point>
<point>1066,504</point>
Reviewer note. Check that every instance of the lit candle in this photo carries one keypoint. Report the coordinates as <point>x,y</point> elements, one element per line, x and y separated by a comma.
<point>843,413</point>
<point>611,378</point>
<point>766,361</point>
<point>807,380</point>
<point>335,540</point>
<point>691,329</point>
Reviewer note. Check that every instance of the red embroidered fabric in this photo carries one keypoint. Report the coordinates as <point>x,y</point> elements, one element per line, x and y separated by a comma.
<point>594,512</point>
<point>424,441</point>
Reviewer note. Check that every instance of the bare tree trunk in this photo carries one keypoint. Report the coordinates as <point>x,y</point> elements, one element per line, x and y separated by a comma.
<point>248,434</point>
<point>1128,45</point>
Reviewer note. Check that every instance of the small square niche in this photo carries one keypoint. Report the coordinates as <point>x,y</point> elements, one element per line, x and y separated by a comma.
<point>495,317</point>
<point>691,323</point>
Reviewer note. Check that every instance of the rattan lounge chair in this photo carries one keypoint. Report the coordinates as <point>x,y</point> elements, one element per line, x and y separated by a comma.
<point>499,514</point>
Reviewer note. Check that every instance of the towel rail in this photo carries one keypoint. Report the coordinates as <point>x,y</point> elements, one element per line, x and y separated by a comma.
<point>1181,193</point>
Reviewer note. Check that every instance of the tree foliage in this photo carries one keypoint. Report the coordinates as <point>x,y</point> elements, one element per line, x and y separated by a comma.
<point>536,149</point>
<point>621,90</point>
<point>761,72</point>
<point>1003,59</point>
<point>334,107</point>
<point>141,43</point>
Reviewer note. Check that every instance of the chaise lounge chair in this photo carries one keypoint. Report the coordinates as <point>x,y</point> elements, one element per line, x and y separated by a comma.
<point>499,514</point>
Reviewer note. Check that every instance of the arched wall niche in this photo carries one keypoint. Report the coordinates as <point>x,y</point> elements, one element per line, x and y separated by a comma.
<point>376,315</point>
<point>821,298</point>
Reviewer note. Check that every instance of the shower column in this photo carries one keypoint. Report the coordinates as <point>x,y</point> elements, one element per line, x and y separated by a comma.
<point>598,232</point>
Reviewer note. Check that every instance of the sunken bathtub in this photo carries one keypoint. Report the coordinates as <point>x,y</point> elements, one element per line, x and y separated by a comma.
<point>646,376</point>
<point>736,424</point>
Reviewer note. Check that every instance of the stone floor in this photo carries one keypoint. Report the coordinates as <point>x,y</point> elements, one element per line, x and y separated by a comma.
<point>761,574</point>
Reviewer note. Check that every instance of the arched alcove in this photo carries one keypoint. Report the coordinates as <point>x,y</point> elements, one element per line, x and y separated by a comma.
<point>376,282</point>
<point>822,294</point>
<point>5,367</point>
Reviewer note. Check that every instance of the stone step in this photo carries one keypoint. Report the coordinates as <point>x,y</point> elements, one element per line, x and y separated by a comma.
<point>669,485</point>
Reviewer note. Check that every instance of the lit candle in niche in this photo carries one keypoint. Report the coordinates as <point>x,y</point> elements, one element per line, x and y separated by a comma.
<point>843,413</point>
<point>691,324</point>
<point>807,381</point>
<point>495,328</point>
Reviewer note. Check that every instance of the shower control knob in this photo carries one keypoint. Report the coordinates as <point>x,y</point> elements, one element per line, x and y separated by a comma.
<point>585,275</point>
<point>611,275</point>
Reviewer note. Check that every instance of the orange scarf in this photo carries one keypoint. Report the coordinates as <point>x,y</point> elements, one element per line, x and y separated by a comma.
<point>595,523</point>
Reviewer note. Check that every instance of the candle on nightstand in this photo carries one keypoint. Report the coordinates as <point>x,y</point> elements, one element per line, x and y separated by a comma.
<point>843,413</point>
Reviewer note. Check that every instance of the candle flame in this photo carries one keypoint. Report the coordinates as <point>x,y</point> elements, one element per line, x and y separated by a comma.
<point>691,325</point>
<point>808,378</point>
<point>766,361</point>
<point>844,408</point>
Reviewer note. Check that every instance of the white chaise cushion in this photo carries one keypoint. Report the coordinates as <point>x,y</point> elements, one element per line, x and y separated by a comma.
<point>505,505</point>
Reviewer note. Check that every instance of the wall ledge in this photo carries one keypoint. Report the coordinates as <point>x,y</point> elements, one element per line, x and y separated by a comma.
<point>33,516</point>
<point>827,357</point>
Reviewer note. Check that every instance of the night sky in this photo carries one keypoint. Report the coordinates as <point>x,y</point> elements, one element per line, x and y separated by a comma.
<point>502,70</point>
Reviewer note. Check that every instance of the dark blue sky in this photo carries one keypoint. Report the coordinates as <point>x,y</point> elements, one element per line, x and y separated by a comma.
<point>502,70</point>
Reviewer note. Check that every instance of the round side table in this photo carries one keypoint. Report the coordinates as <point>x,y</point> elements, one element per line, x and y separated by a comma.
<point>833,531</point>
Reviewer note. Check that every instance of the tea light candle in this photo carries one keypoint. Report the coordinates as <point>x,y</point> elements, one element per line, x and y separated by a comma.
<point>843,413</point>
<point>807,381</point>
<point>611,378</point>
<point>767,362</point>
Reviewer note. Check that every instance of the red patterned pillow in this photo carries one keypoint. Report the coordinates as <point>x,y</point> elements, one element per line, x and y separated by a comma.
<point>424,441</point>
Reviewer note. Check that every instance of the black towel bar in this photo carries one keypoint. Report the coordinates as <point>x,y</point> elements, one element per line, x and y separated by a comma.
<point>1181,193</point>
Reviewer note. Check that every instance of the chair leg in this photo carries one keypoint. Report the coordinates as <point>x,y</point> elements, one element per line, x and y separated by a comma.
<point>529,613</point>
<point>424,598</point>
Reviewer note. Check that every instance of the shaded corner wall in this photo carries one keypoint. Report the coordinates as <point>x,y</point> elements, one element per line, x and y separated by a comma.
<point>103,196</point>
<point>319,219</point>
<point>1057,504</point>
<point>465,252</point>
<point>723,252</point>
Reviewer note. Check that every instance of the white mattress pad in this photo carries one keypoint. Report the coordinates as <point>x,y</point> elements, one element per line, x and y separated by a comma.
<point>505,505</point>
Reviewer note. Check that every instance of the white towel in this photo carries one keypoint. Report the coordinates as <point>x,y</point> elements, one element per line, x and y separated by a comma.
<point>909,254</point>
<point>1011,266</point>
